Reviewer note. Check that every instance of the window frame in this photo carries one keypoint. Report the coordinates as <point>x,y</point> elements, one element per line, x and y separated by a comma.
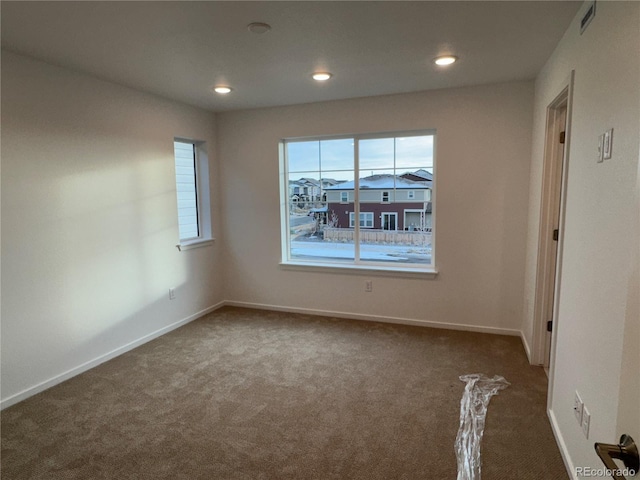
<point>354,266</point>
<point>202,193</point>
<point>352,217</point>
<point>344,197</point>
<point>389,215</point>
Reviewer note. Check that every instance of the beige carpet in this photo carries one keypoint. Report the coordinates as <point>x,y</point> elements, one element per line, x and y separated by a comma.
<point>249,394</point>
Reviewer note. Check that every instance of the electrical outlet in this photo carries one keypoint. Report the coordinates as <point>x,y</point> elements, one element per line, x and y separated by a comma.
<point>578,406</point>
<point>586,421</point>
<point>172,294</point>
<point>368,286</point>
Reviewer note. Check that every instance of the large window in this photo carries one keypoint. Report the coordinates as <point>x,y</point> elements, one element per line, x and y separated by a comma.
<point>385,180</point>
<point>192,190</point>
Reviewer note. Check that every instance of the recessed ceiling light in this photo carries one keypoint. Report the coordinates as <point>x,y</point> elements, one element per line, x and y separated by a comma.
<point>222,89</point>
<point>445,60</point>
<point>322,76</point>
<point>259,27</point>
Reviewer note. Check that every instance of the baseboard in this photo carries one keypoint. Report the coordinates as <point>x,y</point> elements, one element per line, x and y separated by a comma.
<point>566,458</point>
<point>526,347</point>
<point>18,397</point>
<point>377,318</point>
<point>7,402</point>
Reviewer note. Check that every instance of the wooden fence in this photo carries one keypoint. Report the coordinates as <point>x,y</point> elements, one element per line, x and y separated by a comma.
<point>388,237</point>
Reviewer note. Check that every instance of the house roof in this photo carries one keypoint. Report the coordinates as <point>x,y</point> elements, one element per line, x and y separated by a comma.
<point>418,175</point>
<point>312,181</point>
<point>331,181</point>
<point>384,182</point>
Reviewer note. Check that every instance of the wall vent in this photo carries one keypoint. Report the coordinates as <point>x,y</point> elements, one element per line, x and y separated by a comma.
<point>588,16</point>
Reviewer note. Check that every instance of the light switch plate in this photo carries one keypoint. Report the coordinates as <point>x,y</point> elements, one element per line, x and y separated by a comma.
<point>578,406</point>
<point>607,144</point>
<point>586,421</point>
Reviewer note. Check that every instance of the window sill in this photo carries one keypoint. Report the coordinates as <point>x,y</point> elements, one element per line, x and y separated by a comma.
<point>430,272</point>
<point>188,245</point>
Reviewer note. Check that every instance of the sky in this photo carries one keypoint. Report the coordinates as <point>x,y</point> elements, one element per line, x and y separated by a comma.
<point>334,158</point>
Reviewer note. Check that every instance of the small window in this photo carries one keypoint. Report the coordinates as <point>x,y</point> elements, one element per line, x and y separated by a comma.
<point>186,181</point>
<point>192,191</point>
<point>344,197</point>
<point>385,197</point>
<point>366,219</point>
<point>411,194</point>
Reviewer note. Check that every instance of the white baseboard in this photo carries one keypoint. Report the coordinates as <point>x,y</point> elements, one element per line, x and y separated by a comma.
<point>18,397</point>
<point>377,318</point>
<point>525,344</point>
<point>562,446</point>
<point>7,402</point>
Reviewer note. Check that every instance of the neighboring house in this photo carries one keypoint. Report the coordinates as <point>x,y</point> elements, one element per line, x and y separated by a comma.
<point>307,192</point>
<point>304,192</point>
<point>387,202</point>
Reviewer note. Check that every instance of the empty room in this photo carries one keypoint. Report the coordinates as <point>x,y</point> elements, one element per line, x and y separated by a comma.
<point>320,239</point>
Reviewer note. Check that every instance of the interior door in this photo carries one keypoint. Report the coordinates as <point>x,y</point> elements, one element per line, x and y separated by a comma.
<point>559,132</point>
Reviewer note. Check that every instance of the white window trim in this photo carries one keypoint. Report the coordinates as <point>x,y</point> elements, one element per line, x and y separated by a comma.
<point>405,271</point>
<point>388,200</point>
<point>411,195</point>
<point>345,194</point>
<point>203,198</point>
<point>190,244</point>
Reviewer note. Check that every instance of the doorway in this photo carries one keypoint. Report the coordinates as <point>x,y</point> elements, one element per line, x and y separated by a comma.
<point>550,231</point>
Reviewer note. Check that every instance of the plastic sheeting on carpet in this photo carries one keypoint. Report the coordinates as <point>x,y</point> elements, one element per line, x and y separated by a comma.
<point>473,410</point>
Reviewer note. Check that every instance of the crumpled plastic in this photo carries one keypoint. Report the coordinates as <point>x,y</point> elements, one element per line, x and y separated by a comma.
<point>473,410</point>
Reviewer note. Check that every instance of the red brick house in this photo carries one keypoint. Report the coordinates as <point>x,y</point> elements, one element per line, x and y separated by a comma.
<point>387,202</point>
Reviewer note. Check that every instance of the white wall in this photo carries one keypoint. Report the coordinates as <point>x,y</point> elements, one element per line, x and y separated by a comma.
<point>89,222</point>
<point>598,300</point>
<point>483,155</point>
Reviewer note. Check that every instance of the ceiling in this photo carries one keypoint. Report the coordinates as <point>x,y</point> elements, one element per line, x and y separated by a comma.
<point>180,49</point>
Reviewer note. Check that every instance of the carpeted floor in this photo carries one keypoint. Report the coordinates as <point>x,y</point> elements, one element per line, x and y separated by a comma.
<point>249,394</point>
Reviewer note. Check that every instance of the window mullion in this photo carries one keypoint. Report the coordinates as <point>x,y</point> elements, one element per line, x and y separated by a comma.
<point>395,178</point>
<point>356,200</point>
<point>287,203</point>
